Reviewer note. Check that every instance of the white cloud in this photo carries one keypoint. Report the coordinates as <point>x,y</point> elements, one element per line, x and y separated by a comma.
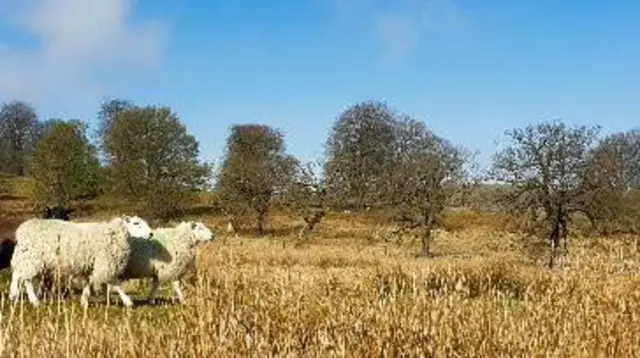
<point>73,40</point>
<point>402,25</point>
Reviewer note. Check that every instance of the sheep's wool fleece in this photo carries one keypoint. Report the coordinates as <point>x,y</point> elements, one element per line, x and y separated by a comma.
<point>45,245</point>
<point>167,255</point>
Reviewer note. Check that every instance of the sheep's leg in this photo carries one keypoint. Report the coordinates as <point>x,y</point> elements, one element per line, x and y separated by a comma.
<point>30,292</point>
<point>123,296</point>
<point>152,290</point>
<point>178,291</point>
<point>14,289</point>
<point>84,298</point>
<point>108,294</point>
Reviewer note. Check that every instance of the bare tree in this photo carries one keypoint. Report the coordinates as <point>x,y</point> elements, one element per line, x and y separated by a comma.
<point>426,171</point>
<point>613,175</point>
<point>306,197</point>
<point>357,151</point>
<point>18,125</point>
<point>256,168</point>
<point>545,165</point>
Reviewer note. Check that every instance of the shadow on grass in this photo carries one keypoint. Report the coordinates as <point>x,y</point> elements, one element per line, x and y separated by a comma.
<point>11,197</point>
<point>159,301</point>
<point>101,302</point>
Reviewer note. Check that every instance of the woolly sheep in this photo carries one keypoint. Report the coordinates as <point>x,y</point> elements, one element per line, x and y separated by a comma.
<point>8,233</point>
<point>95,252</point>
<point>166,256</point>
<point>47,279</point>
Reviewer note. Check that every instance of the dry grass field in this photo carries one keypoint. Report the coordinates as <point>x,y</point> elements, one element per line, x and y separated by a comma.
<point>482,295</point>
<point>348,292</point>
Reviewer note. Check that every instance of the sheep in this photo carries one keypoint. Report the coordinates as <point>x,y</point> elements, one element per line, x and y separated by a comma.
<point>47,278</point>
<point>8,233</point>
<point>94,252</point>
<point>166,256</point>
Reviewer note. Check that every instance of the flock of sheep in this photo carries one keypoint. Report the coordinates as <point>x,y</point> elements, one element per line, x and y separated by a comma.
<point>101,254</point>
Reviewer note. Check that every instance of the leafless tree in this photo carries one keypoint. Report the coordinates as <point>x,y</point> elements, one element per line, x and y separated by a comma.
<point>546,164</point>
<point>613,175</point>
<point>377,157</point>
<point>306,197</point>
<point>425,171</point>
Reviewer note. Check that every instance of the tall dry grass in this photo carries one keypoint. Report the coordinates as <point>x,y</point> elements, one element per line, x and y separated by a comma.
<point>349,297</point>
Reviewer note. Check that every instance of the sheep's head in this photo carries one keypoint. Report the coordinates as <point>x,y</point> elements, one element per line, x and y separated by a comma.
<point>201,232</point>
<point>137,227</point>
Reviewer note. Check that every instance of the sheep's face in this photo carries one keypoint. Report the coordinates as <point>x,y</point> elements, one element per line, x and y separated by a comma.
<point>201,232</point>
<point>137,227</point>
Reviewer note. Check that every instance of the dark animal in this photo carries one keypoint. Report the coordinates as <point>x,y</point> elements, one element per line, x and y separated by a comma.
<point>7,240</point>
<point>57,212</point>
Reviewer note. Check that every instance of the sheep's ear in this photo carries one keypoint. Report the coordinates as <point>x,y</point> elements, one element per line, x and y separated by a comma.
<point>126,219</point>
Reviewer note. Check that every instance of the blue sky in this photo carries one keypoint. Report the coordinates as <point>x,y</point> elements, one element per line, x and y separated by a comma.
<point>469,69</point>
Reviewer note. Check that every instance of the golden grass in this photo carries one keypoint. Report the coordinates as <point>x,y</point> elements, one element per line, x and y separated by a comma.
<point>347,292</point>
<point>350,297</point>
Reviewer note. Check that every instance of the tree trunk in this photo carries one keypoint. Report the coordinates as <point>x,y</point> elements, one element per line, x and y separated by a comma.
<point>556,232</point>
<point>426,242</point>
<point>554,249</point>
<point>564,233</point>
<point>427,227</point>
<point>312,221</point>
<point>262,219</point>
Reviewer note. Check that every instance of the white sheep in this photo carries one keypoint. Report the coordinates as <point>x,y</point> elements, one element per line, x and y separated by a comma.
<point>167,256</point>
<point>97,253</point>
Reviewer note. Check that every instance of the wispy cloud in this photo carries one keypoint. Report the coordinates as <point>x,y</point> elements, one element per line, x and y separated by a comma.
<point>69,43</point>
<point>403,25</point>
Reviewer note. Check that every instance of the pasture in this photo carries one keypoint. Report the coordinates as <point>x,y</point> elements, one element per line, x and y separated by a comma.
<point>348,292</point>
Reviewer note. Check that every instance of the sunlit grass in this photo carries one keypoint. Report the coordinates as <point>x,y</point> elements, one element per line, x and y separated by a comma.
<point>262,297</point>
<point>348,292</point>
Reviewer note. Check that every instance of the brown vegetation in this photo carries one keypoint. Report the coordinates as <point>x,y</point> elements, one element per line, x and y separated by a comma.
<point>353,286</point>
<point>481,296</point>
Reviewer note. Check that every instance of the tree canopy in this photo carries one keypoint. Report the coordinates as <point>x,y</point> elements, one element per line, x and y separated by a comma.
<point>546,165</point>
<point>64,166</point>
<point>152,161</point>
<point>357,152</point>
<point>255,168</point>
<point>18,133</point>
